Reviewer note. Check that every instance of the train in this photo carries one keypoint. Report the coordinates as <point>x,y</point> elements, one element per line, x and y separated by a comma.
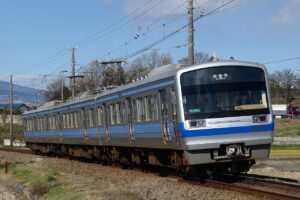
<point>214,117</point>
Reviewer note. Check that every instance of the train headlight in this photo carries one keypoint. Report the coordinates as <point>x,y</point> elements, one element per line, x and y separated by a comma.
<point>260,119</point>
<point>196,123</point>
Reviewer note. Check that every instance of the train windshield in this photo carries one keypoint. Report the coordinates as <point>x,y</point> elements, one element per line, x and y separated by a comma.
<point>224,92</point>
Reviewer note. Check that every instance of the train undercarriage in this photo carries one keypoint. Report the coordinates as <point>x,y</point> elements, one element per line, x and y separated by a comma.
<point>145,157</point>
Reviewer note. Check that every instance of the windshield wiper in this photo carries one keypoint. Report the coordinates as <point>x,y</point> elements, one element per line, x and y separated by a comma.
<point>245,111</point>
<point>219,112</point>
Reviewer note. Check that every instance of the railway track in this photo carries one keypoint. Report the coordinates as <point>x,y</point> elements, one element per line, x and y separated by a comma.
<point>252,184</point>
<point>17,150</point>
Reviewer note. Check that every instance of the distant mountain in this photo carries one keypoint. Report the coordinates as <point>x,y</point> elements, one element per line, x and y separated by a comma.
<point>22,94</point>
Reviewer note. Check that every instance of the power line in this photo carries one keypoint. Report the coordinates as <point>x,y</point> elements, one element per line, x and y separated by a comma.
<point>149,30</point>
<point>173,33</point>
<point>122,25</point>
<point>83,41</point>
<point>59,54</point>
<point>31,68</point>
<point>283,60</point>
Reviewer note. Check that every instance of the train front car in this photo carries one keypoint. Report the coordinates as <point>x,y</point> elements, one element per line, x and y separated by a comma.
<point>226,120</point>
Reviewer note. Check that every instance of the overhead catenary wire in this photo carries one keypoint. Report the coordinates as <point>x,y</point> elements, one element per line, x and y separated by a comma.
<point>106,33</point>
<point>282,60</point>
<point>173,33</point>
<point>64,51</point>
<point>84,41</point>
<point>145,33</point>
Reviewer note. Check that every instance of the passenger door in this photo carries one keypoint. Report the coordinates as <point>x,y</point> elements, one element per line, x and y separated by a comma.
<point>164,115</point>
<point>106,121</point>
<point>84,122</point>
<point>129,118</point>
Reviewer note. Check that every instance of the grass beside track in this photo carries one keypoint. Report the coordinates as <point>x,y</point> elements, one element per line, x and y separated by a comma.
<point>285,149</point>
<point>42,182</point>
<point>287,127</point>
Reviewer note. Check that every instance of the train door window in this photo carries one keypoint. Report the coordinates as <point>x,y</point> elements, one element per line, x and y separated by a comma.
<point>92,117</point>
<point>57,121</point>
<point>149,108</point>
<point>106,110</point>
<point>27,125</point>
<point>64,120</point>
<point>134,112</point>
<point>45,120</point>
<point>68,120</point>
<point>83,118</point>
<point>100,115</point>
<point>39,124</point>
<point>118,113</point>
<point>164,104</point>
<point>75,119</point>
<point>46,123</point>
<point>86,118</point>
<point>71,120</point>
<point>174,105</point>
<point>140,108</point>
<point>123,112</point>
<point>50,124</point>
<point>111,114</point>
<point>155,108</point>
<point>53,122</point>
<point>30,125</point>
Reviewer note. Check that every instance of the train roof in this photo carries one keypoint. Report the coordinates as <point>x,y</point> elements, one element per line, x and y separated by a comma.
<point>160,73</point>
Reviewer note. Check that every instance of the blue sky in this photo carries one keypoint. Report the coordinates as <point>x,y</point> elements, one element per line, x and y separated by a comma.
<point>35,35</point>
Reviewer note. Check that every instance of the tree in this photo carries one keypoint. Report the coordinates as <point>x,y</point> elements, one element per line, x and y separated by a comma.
<point>199,58</point>
<point>282,84</point>
<point>102,74</point>
<point>142,65</point>
<point>53,91</point>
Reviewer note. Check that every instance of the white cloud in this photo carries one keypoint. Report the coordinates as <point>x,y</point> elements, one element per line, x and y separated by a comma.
<point>288,14</point>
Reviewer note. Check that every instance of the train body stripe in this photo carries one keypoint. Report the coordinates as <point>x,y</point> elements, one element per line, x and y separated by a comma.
<point>224,131</point>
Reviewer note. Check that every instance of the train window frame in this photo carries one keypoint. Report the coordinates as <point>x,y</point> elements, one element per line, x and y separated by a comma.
<point>91,116</point>
<point>99,115</point>
<point>155,96</point>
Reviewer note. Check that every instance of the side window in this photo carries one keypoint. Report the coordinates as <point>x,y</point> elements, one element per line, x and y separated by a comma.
<point>64,121</point>
<point>140,108</point>
<point>107,115</point>
<point>123,113</point>
<point>134,112</point>
<point>164,104</point>
<point>174,104</point>
<point>117,113</point>
<point>155,108</point>
<point>76,122</point>
<point>112,114</point>
<point>92,117</point>
<point>86,118</point>
<point>100,115</point>
<point>149,108</point>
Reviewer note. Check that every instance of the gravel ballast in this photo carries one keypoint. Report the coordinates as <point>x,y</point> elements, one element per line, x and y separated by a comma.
<point>95,181</point>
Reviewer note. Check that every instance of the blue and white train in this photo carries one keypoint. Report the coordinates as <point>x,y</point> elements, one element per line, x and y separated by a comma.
<point>215,116</point>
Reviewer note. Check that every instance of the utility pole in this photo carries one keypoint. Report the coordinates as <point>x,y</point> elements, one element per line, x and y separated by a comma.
<point>190,32</point>
<point>11,111</point>
<point>73,73</point>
